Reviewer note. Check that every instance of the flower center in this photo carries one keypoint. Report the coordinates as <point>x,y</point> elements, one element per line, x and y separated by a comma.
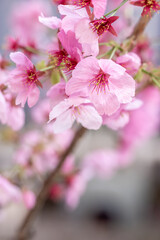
<point>150,2</point>
<point>103,25</point>
<point>62,59</point>
<point>82,3</point>
<point>100,82</point>
<point>99,26</point>
<point>30,77</point>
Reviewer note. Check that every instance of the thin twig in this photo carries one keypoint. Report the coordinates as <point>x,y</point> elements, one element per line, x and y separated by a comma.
<point>41,198</point>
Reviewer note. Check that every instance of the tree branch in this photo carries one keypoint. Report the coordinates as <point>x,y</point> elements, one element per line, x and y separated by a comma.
<point>23,233</point>
<point>139,28</point>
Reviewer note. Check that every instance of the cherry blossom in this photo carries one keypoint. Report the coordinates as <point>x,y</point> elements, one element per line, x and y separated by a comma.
<point>74,108</point>
<point>107,83</point>
<point>99,7</point>
<point>130,61</point>
<point>149,6</point>
<point>121,118</point>
<point>24,80</point>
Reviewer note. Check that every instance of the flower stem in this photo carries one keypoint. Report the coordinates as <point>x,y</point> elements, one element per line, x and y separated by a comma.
<point>23,233</point>
<point>113,12</point>
<point>154,78</point>
<point>46,68</point>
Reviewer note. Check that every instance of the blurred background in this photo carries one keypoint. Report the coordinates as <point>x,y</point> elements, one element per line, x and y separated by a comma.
<point>124,207</point>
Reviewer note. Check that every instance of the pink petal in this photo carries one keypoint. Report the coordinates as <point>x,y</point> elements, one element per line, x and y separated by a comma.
<point>117,122</point>
<point>86,69</point>
<point>64,122</point>
<point>20,59</point>
<point>70,44</point>
<point>87,37</point>
<point>110,67</point>
<point>123,87</point>
<point>33,96</point>
<point>3,109</point>
<point>57,93</point>
<point>75,85</point>
<point>29,199</point>
<point>99,7</point>
<point>72,11</point>
<point>16,119</point>
<point>105,102</point>
<point>88,117</point>
<point>51,22</point>
<point>59,109</point>
<point>135,104</point>
<point>22,98</point>
<point>130,61</point>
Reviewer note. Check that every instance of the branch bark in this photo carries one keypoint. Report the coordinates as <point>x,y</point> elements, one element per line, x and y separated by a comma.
<point>23,233</point>
<point>137,32</point>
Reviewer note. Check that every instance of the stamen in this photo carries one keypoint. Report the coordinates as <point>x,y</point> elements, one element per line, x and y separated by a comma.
<point>100,82</point>
<point>103,25</point>
<point>81,3</point>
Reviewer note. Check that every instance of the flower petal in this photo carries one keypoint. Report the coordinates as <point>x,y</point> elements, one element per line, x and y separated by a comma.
<point>123,87</point>
<point>51,22</point>
<point>16,119</point>
<point>64,122</point>
<point>75,85</point>
<point>20,59</point>
<point>88,117</point>
<point>33,96</point>
<point>105,102</point>
<point>58,109</point>
<point>117,122</point>
<point>99,7</point>
<point>110,67</point>
<point>3,109</point>
<point>87,37</point>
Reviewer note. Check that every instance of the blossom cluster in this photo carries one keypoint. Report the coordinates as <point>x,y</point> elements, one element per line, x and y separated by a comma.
<point>82,74</point>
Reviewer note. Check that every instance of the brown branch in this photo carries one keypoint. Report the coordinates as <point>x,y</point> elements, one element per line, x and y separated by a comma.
<point>138,30</point>
<point>23,233</point>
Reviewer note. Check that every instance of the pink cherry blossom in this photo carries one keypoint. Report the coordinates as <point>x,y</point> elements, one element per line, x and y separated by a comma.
<point>15,114</point>
<point>24,80</point>
<point>51,22</point>
<point>71,53</point>
<point>102,163</point>
<point>76,188</point>
<point>76,21</point>
<point>16,117</point>
<point>37,153</point>
<point>144,121</point>
<point>56,93</point>
<point>24,21</point>
<point>29,198</point>
<point>107,83</point>
<point>121,117</point>
<point>103,25</point>
<point>74,108</point>
<point>3,109</point>
<point>40,113</point>
<point>149,6</point>
<point>130,61</point>
<point>8,192</point>
<point>99,6</point>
